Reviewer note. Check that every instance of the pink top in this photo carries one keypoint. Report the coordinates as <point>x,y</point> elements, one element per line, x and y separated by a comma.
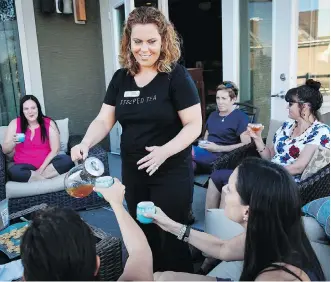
<point>33,151</point>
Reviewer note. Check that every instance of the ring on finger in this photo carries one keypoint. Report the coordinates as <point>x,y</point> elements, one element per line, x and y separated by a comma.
<point>155,166</point>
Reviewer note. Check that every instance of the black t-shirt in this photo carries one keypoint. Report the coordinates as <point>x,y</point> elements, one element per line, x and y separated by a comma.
<point>148,114</point>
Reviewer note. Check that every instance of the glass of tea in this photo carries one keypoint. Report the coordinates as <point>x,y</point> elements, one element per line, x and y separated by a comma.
<point>80,180</point>
<point>256,127</point>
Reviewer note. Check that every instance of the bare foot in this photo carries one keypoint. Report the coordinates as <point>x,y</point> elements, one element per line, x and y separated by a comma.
<point>35,176</point>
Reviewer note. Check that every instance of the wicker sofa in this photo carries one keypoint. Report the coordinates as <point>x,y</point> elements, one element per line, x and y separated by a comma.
<point>60,198</point>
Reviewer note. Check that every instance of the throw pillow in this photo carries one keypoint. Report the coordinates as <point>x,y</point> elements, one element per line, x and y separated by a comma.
<point>3,130</point>
<point>320,210</point>
<point>319,160</point>
<point>63,126</point>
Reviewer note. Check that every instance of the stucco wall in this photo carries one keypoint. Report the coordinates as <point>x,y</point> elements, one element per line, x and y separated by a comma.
<point>71,65</point>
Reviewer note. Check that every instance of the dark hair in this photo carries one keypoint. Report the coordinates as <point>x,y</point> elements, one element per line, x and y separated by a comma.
<point>58,245</point>
<point>40,118</point>
<point>308,93</point>
<point>230,87</point>
<point>275,232</point>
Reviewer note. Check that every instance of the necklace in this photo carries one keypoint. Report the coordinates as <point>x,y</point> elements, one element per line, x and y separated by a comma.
<point>223,118</point>
<point>296,125</point>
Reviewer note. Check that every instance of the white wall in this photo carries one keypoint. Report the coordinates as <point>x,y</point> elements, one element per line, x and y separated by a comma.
<point>29,49</point>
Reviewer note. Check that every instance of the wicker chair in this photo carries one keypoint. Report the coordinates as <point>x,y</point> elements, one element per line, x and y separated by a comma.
<point>315,187</point>
<point>109,249</point>
<point>60,198</point>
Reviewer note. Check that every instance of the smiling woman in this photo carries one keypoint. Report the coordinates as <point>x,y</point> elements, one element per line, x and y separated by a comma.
<point>156,102</point>
<point>34,140</point>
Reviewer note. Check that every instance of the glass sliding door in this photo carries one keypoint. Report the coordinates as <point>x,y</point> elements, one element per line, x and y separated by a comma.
<point>314,42</point>
<point>11,71</point>
<point>256,54</point>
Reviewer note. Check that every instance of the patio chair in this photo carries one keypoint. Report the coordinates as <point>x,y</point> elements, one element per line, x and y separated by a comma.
<point>109,249</point>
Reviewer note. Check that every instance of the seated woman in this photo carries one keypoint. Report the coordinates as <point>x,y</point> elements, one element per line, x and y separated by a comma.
<point>263,198</point>
<point>225,128</point>
<point>36,157</point>
<point>294,142</point>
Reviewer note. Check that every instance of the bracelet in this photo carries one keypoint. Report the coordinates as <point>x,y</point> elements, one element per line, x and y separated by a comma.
<point>261,150</point>
<point>181,232</point>
<point>187,233</point>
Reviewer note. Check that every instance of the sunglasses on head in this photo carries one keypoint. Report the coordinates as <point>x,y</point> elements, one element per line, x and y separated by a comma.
<point>228,84</point>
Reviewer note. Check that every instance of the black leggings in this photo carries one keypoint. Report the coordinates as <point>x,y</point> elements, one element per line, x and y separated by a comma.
<point>22,172</point>
<point>170,188</point>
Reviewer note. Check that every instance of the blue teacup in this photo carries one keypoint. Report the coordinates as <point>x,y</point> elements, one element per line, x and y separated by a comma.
<point>143,208</point>
<point>20,137</point>
<point>103,182</point>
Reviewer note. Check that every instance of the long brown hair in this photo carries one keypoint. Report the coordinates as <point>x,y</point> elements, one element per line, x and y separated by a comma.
<point>170,48</point>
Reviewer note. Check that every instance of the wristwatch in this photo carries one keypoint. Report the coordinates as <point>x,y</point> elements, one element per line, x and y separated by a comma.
<point>187,233</point>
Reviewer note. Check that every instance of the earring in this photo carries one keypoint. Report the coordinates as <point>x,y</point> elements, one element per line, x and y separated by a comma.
<point>245,218</point>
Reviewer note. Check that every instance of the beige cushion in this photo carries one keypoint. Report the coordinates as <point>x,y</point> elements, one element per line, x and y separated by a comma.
<point>63,125</point>
<point>9,157</point>
<point>322,252</point>
<point>216,220</point>
<point>319,160</point>
<point>273,127</point>
<point>314,230</point>
<point>20,189</point>
<point>3,130</point>
<point>217,224</point>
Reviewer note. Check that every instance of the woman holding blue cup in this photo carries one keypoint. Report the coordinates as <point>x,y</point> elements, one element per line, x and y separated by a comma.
<point>261,220</point>
<point>34,141</point>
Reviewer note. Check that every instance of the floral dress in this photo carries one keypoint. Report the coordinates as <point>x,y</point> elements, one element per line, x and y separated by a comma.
<point>287,150</point>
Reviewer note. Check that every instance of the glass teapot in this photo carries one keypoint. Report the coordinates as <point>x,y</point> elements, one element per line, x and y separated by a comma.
<point>80,180</point>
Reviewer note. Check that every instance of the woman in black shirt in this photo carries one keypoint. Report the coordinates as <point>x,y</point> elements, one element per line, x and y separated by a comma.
<point>156,102</point>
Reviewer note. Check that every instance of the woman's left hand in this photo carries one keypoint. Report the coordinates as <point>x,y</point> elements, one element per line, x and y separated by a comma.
<point>153,160</point>
<point>40,170</point>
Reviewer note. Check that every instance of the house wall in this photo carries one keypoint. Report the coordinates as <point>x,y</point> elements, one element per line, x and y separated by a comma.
<point>72,68</point>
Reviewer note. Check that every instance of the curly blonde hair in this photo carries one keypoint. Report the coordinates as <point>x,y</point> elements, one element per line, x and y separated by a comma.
<point>170,46</point>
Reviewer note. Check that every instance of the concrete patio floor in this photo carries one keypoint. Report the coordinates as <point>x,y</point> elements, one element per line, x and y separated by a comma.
<point>104,218</point>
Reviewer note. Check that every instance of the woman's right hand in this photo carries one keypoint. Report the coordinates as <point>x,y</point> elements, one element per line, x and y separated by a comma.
<point>15,140</point>
<point>256,135</point>
<point>163,221</point>
<point>79,152</point>
<point>114,194</point>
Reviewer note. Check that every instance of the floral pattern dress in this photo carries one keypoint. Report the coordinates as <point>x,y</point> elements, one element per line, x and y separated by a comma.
<point>287,150</point>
